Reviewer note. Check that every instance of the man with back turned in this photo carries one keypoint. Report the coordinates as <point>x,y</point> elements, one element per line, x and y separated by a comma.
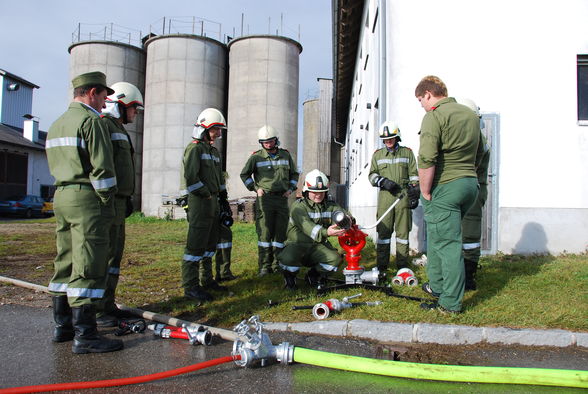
<point>79,152</point>
<point>449,152</point>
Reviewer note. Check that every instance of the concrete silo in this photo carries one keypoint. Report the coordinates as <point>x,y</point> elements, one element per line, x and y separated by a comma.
<point>120,62</point>
<point>263,89</point>
<point>185,74</point>
<point>311,150</point>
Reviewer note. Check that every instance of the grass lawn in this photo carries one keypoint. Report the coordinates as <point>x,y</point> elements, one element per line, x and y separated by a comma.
<point>513,291</point>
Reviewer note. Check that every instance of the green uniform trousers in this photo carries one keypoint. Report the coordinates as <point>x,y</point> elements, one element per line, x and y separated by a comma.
<point>82,238</point>
<point>203,230</point>
<point>222,259</point>
<point>271,223</point>
<point>117,246</point>
<point>398,220</point>
<point>472,227</point>
<point>443,215</point>
<point>322,256</point>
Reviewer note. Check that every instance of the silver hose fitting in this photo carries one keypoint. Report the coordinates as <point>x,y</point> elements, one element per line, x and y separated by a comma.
<point>198,335</point>
<point>254,346</point>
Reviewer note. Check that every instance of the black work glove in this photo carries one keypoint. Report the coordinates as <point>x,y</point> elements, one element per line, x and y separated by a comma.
<point>182,201</point>
<point>130,208</point>
<point>226,207</point>
<point>391,186</point>
<point>223,195</point>
<point>413,192</point>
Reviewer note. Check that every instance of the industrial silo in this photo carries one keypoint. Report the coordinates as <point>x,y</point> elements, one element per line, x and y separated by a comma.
<point>120,62</point>
<point>320,150</point>
<point>263,89</point>
<point>185,74</point>
<point>311,150</point>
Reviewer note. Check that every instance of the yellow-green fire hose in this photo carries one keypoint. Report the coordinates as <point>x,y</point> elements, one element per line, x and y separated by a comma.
<point>449,373</point>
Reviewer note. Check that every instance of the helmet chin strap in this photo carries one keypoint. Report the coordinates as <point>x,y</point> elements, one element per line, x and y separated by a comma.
<point>123,112</point>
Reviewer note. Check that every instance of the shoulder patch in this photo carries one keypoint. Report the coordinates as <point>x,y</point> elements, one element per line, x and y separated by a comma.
<point>195,141</point>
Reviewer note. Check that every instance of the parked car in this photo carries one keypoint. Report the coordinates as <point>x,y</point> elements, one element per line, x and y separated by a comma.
<point>47,209</point>
<point>27,206</point>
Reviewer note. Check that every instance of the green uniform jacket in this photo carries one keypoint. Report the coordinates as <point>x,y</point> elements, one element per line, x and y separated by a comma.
<point>272,174</point>
<point>309,221</point>
<point>398,166</point>
<point>123,151</point>
<point>450,141</point>
<point>79,151</point>
<point>201,170</point>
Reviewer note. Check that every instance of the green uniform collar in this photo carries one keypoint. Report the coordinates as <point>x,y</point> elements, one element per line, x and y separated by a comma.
<point>443,101</point>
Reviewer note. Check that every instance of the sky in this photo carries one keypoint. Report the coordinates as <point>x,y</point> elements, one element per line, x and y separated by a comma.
<point>35,36</point>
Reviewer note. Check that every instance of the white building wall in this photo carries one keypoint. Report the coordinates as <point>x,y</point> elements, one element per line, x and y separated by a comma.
<point>38,172</point>
<point>516,59</point>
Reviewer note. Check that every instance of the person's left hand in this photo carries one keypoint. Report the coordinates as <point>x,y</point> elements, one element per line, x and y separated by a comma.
<point>335,231</point>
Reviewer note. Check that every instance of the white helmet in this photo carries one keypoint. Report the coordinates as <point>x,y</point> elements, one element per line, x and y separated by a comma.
<point>389,129</point>
<point>316,181</point>
<point>126,94</point>
<point>470,104</point>
<point>210,117</point>
<point>266,133</point>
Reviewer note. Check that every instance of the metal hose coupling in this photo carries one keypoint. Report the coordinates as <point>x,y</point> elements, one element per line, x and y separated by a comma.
<point>196,335</point>
<point>322,310</point>
<point>405,276</point>
<point>255,347</point>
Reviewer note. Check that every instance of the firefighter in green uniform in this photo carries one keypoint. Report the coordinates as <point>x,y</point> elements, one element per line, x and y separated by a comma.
<point>121,108</point>
<point>79,152</point>
<point>472,221</point>
<point>271,173</point>
<point>309,228</point>
<point>394,171</point>
<point>450,150</point>
<point>203,182</point>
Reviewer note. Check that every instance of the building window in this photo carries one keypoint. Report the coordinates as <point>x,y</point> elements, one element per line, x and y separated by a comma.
<point>582,64</point>
<point>13,174</point>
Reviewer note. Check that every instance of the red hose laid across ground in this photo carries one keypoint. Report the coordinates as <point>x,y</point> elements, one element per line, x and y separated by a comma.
<point>121,381</point>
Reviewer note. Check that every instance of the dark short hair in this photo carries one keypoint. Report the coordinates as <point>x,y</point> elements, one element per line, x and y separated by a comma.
<point>431,84</point>
<point>83,90</point>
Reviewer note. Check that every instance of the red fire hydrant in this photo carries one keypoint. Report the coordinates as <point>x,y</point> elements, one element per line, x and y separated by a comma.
<point>352,242</point>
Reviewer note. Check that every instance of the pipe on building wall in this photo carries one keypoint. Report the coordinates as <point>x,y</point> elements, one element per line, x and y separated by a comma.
<point>382,49</point>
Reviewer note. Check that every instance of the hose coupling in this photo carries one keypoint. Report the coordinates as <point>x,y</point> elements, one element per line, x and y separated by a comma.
<point>198,335</point>
<point>255,346</point>
<point>405,276</point>
<point>371,276</point>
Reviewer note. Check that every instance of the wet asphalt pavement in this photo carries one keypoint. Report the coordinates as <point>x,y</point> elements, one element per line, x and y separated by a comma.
<point>30,358</point>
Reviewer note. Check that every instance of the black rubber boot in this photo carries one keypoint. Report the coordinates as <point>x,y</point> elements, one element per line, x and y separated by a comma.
<point>87,339</point>
<point>216,287</point>
<point>107,321</point>
<point>289,280</point>
<point>64,330</point>
<point>470,274</point>
<point>197,294</point>
<point>315,279</point>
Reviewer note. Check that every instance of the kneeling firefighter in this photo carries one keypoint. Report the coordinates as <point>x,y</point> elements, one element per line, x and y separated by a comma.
<point>309,228</point>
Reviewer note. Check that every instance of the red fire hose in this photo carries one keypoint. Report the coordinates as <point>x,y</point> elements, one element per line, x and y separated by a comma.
<point>121,381</point>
